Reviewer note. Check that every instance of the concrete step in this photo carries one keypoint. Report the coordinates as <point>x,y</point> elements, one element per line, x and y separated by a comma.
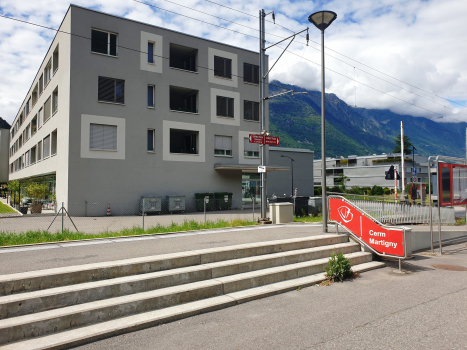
<point>132,323</point>
<point>62,319</point>
<point>26,303</point>
<point>64,276</point>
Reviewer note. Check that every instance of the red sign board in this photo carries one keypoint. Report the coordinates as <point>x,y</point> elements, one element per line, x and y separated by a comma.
<point>271,140</point>
<point>382,240</point>
<point>452,184</point>
<point>254,138</point>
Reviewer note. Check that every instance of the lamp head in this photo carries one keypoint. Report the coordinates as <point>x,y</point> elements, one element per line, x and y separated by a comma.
<point>322,19</point>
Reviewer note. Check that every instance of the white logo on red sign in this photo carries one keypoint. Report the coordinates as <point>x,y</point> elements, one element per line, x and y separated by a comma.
<point>345,214</point>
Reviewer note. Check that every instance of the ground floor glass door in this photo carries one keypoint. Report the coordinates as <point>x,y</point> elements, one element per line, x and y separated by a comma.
<point>251,188</point>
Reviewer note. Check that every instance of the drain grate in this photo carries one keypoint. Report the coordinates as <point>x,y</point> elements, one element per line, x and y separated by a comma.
<point>450,267</point>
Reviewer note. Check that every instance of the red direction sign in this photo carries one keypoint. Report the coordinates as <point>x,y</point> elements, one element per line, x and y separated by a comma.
<point>271,140</point>
<point>384,240</point>
<point>254,138</point>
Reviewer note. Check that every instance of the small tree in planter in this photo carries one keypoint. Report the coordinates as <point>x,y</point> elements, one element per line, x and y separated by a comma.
<point>37,191</point>
<point>14,187</point>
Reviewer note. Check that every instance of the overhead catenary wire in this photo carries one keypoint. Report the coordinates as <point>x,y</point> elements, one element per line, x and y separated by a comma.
<point>363,64</point>
<point>140,51</point>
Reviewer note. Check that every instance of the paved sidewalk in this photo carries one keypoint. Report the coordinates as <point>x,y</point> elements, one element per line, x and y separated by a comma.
<point>423,308</point>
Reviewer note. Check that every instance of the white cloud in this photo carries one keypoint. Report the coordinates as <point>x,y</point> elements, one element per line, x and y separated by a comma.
<point>416,41</point>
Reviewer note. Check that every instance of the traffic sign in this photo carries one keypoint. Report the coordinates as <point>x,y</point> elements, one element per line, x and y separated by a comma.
<point>271,140</point>
<point>261,169</point>
<point>414,179</point>
<point>255,138</point>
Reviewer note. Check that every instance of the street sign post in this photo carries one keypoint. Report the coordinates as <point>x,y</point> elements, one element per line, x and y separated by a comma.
<point>254,138</point>
<point>271,140</point>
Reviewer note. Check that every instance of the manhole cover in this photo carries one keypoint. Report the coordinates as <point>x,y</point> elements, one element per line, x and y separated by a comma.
<point>450,267</point>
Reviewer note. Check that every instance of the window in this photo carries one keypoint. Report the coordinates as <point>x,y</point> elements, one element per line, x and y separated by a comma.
<point>55,100</point>
<point>183,99</point>
<point>151,140</point>
<point>225,107</point>
<point>26,158</point>
<point>222,67</point>
<point>39,151</point>
<point>183,57</point>
<point>223,145</point>
<point>33,155</point>
<point>40,117</point>
<point>46,147</point>
<point>34,95</point>
<point>150,52</point>
<point>251,110</point>
<point>48,73</point>
<point>34,125</point>
<point>54,142</point>
<point>20,140</point>
<point>183,141</point>
<point>103,137</point>
<point>47,110</point>
<point>151,96</point>
<point>28,132</point>
<point>111,90</point>
<point>20,121</point>
<point>28,106</point>
<point>104,42</point>
<point>250,73</point>
<point>55,59</point>
<point>41,84</point>
<point>250,149</point>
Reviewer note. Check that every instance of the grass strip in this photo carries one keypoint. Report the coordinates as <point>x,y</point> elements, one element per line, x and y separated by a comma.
<point>6,209</point>
<point>30,237</point>
<point>318,218</point>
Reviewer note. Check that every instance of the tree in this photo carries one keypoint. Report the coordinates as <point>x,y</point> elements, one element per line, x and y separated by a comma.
<point>407,145</point>
<point>341,180</point>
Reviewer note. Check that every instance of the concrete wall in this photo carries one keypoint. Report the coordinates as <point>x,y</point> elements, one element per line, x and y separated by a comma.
<point>280,182</point>
<point>56,164</point>
<point>136,172</point>
<point>4,152</point>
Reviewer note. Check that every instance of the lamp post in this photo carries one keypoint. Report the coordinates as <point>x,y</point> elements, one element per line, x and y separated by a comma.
<point>322,20</point>
<point>291,165</point>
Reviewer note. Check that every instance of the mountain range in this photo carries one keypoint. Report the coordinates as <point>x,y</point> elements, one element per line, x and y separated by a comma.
<point>296,119</point>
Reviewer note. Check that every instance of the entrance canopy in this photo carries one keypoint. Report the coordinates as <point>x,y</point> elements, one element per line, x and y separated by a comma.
<point>249,168</point>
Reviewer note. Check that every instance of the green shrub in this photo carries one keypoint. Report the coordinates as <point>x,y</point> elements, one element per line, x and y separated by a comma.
<point>335,189</point>
<point>355,190</point>
<point>318,191</point>
<point>377,191</point>
<point>387,191</point>
<point>338,267</point>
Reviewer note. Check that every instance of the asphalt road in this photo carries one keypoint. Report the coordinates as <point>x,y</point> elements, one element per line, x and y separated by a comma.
<point>423,308</point>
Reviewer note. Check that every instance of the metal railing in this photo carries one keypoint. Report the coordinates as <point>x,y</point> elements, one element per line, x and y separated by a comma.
<point>395,212</point>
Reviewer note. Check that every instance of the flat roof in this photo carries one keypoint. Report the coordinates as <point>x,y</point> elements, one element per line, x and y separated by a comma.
<point>288,149</point>
<point>170,30</point>
<point>249,168</point>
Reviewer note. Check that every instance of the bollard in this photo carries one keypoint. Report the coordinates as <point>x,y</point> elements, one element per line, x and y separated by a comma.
<point>143,215</point>
<point>205,211</point>
<point>62,215</point>
<point>253,202</point>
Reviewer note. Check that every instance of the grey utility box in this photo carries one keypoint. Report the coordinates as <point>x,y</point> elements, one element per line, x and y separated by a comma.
<point>315,205</point>
<point>176,203</point>
<point>150,204</point>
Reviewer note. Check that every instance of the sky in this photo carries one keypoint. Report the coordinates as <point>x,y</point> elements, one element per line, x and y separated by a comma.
<point>408,56</point>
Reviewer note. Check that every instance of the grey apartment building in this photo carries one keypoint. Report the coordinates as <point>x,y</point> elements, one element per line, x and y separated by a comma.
<point>120,109</point>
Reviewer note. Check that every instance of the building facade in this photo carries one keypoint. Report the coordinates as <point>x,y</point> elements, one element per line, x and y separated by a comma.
<point>369,171</point>
<point>121,109</point>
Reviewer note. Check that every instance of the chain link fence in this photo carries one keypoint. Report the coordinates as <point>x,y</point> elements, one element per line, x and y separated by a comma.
<point>101,217</point>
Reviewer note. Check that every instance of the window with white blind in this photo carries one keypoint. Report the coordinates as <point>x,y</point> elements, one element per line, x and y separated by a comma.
<point>223,145</point>
<point>103,137</point>
<point>225,107</point>
<point>250,150</point>
<point>39,151</point>
<point>47,110</point>
<point>48,73</point>
<point>46,147</point>
<point>40,117</point>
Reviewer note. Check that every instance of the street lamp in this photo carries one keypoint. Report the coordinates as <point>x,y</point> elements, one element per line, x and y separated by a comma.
<point>291,165</point>
<point>322,20</point>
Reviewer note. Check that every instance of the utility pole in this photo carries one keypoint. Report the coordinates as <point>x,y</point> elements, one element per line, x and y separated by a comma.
<point>262,94</point>
<point>402,161</point>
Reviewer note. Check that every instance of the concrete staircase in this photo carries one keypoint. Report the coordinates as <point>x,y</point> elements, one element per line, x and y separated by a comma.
<point>64,307</point>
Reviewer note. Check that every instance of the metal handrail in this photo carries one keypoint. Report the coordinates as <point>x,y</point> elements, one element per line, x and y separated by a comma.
<point>404,229</point>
